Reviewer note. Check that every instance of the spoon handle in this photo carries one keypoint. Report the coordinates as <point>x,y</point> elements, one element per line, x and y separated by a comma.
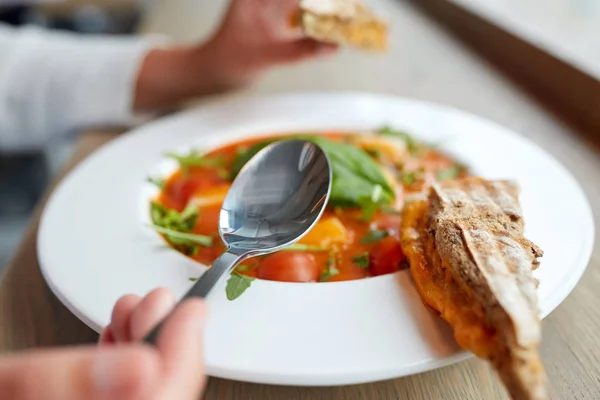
<point>225,263</point>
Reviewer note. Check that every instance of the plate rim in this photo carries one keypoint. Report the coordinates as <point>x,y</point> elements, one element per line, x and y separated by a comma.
<point>250,376</point>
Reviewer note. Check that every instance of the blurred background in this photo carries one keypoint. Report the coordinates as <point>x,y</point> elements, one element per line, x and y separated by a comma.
<point>24,177</point>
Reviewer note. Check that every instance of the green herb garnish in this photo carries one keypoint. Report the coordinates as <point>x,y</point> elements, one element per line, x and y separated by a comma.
<point>411,143</point>
<point>304,247</point>
<point>236,285</point>
<point>374,236</point>
<point>362,260</point>
<point>329,271</point>
<point>173,220</point>
<point>449,173</point>
<point>224,174</point>
<point>409,178</point>
<point>158,182</point>
<point>371,204</point>
<point>374,153</point>
<point>243,268</point>
<point>176,237</point>
<point>195,159</point>
<point>356,176</point>
<point>193,279</point>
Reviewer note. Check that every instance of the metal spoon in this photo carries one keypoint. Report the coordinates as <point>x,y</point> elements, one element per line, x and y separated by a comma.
<point>276,199</point>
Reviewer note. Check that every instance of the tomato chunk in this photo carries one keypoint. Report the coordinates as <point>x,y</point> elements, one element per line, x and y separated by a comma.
<point>289,266</point>
<point>386,256</point>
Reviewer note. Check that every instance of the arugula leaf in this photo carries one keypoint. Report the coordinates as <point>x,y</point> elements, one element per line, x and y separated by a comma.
<point>171,219</point>
<point>362,260</point>
<point>374,236</point>
<point>449,173</point>
<point>194,159</point>
<point>411,143</point>
<point>236,285</point>
<point>158,182</point>
<point>177,237</point>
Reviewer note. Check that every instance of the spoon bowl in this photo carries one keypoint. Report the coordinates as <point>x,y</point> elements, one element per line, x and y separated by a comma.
<point>277,197</point>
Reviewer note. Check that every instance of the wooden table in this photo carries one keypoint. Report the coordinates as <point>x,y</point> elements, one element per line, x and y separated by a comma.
<point>424,63</point>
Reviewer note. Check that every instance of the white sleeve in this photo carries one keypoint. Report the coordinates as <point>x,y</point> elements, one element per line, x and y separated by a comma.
<point>54,83</point>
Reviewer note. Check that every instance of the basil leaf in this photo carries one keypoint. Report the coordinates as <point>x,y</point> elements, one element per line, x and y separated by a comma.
<point>362,260</point>
<point>370,205</point>
<point>194,159</point>
<point>158,182</point>
<point>449,173</point>
<point>183,238</point>
<point>374,236</point>
<point>236,285</point>
<point>412,145</point>
<point>355,173</point>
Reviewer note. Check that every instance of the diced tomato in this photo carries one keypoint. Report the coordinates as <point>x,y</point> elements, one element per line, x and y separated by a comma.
<point>182,188</point>
<point>289,266</point>
<point>386,256</point>
<point>208,221</point>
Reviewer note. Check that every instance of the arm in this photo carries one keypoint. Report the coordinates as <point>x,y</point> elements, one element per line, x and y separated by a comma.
<point>52,83</point>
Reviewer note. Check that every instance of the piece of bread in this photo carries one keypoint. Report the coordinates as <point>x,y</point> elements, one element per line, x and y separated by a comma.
<point>472,264</point>
<point>343,22</point>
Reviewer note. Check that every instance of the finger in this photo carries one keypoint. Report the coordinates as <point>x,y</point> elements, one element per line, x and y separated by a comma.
<point>288,52</point>
<point>106,337</point>
<point>121,315</point>
<point>151,310</point>
<point>115,373</point>
<point>181,346</point>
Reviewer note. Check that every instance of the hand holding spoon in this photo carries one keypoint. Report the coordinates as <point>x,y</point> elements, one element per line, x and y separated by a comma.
<point>276,199</point>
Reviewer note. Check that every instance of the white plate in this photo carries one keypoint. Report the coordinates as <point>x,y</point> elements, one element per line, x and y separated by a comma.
<point>94,246</point>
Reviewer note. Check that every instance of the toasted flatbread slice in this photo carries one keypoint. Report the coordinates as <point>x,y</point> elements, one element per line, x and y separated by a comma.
<point>343,22</point>
<point>472,264</point>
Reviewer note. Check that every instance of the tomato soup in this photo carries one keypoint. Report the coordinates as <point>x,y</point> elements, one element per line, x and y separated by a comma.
<point>357,236</point>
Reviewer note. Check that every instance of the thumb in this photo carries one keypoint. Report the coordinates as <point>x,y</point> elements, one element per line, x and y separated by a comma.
<point>287,52</point>
<point>114,373</point>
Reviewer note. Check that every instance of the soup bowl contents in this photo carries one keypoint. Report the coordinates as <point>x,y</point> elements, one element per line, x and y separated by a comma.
<point>357,236</point>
